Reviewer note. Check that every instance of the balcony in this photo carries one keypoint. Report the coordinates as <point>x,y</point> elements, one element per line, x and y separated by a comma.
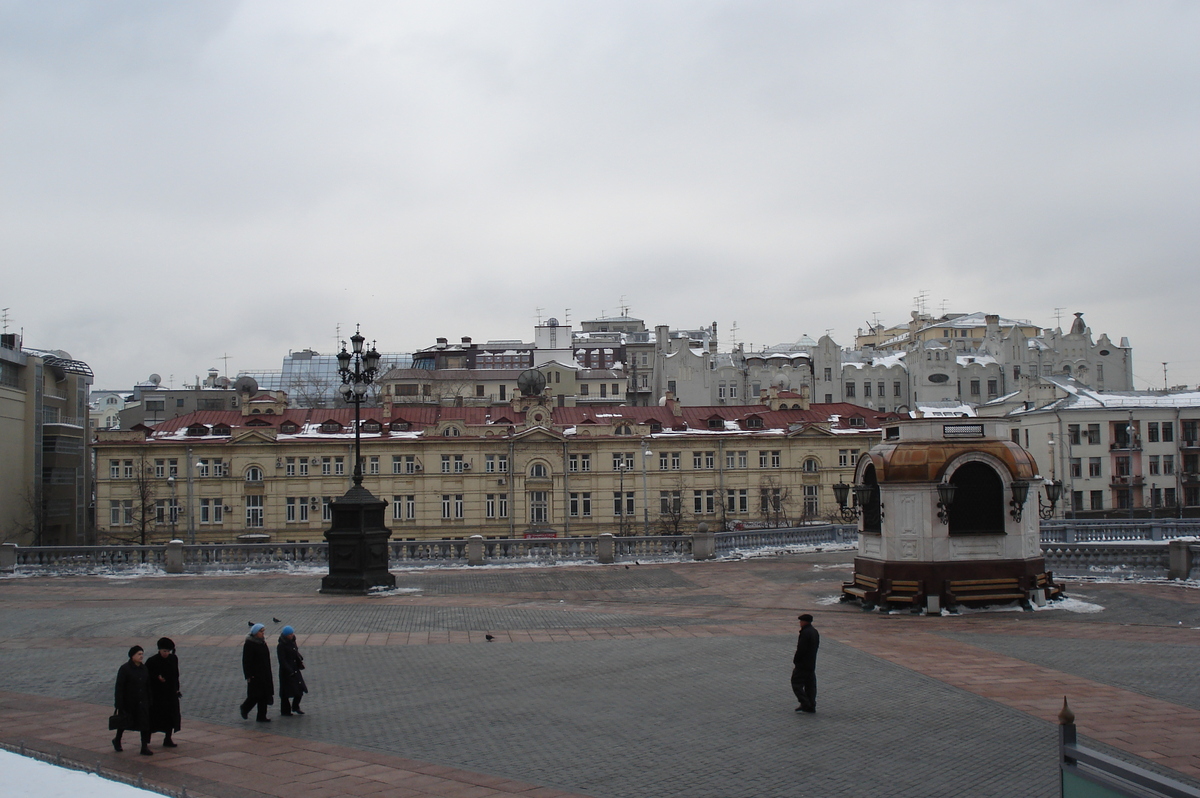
<point>1128,481</point>
<point>1189,478</point>
<point>1189,444</point>
<point>1126,446</point>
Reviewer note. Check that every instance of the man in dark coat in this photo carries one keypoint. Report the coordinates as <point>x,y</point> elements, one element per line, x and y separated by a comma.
<point>291,681</point>
<point>164,691</point>
<point>804,672</point>
<point>132,699</point>
<point>256,667</point>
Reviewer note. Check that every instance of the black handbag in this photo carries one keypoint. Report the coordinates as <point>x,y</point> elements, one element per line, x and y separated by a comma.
<point>117,720</point>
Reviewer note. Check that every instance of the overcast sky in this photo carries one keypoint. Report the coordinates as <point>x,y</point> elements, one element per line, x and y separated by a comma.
<point>184,180</point>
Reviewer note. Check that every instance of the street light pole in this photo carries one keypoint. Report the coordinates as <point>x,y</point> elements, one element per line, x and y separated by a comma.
<point>645,492</point>
<point>354,388</point>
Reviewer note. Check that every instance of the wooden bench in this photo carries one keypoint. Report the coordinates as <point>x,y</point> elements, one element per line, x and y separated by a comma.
<point>1046,582</point>
<point>986,591</point>
<point>901,591</point>
<point>863,587</point>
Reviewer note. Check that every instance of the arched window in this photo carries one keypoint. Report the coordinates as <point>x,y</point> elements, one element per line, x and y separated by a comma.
<point>624,429</point>
<point>978,507</point>
<point>254,474</point>
<point>811,465</point>
<point>450,432</point>
<point>538,470</point>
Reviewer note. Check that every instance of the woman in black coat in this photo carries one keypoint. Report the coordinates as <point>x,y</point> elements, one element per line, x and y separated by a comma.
<point>291,682</point>
<point>132,700</point>
<point>164,691</point>
<point>256,667</point>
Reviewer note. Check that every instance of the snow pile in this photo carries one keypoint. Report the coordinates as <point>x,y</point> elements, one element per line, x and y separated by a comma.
<point>30,778</point>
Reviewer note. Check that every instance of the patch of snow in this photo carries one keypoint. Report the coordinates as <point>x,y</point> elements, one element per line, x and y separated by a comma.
<point>25,777</point>
<point>1071,605</point>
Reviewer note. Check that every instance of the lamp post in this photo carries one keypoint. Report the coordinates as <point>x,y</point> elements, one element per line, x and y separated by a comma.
<point>358,540</point>
<point>645,493</point>
<point>1053,492</point>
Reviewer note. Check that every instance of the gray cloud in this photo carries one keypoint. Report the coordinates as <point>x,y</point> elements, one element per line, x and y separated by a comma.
<point>178,181</point>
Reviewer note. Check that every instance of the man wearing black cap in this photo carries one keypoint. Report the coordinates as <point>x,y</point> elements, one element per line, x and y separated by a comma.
<point>804,674</point>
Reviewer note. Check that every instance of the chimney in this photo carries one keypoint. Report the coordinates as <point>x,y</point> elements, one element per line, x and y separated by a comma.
<point>466,341</point>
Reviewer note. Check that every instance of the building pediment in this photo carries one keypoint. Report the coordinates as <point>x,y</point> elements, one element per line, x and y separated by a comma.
<point>538,434</point>
<point>255,435</point>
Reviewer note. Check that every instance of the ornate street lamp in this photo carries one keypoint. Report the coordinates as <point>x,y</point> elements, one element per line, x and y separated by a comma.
<point>1020,492</point>
<point>946,492</point>
<point>1053,493</point>
<point>841,492</point>
<point>358,540</point>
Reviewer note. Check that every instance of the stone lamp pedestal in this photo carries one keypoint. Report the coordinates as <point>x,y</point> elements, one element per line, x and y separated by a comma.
<point>358,545</point>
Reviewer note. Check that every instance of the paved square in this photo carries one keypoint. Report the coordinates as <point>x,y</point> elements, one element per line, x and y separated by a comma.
<point>653,680</point>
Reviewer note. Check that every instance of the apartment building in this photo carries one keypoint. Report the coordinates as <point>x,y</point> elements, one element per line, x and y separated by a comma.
<point>1134,453</point>
<point>45,474</point>
<point>521,469</point>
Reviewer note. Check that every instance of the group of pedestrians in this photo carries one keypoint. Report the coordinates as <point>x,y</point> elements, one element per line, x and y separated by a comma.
<point>147,696</point>
<point>260,684</point>
<point>147,692</point>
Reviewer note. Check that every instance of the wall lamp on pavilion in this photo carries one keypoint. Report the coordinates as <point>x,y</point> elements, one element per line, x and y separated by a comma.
<point>1053,494</point>
<point>841,492</point>
<point>1020,492</point>
<point>946,491</point>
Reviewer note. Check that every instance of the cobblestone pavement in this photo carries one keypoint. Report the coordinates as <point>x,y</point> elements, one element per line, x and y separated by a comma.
<point>652,680</point>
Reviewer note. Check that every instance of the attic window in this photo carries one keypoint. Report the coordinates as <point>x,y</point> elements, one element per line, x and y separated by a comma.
<point>330,427</point>
<point>858,421</point>
<point>288,428</point>
<point>655,426</point>
<point>716,423</point>
<point>754,423</point>
<point>257,422</point>
<point>624,429</point>
<point>371,426</point>
<point>222,430</point>
<point>451,432</point>
<point>398,426</point>
<point>197,430</point>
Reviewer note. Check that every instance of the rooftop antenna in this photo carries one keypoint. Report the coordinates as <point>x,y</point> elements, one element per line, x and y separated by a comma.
<point>225,357</point>
<point>733,330</point>
<point>539,315</point>
<point>566,317</point>
<point>624,306</point>
<point>944,303</point>
<point>1164,376</point>
<point>4,318</point>
<point>919,301</point>
<point>1058,317</point>
<point>875,325</point>
<point>337,336</point>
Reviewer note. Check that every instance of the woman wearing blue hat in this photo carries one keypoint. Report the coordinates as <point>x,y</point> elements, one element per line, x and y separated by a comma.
<point>291,682</point>
<point>256,667</point>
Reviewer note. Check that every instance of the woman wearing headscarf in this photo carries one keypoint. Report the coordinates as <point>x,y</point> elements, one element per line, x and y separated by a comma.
<point>164,690</point>
<point>256,667</point>
<point>291,682</point>
<point>132,700</point>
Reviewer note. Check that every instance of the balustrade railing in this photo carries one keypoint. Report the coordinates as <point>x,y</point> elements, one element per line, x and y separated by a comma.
<point>1078,548</point>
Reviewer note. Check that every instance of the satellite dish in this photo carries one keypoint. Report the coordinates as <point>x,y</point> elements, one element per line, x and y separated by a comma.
<point>531,382</point>
<point>245,384</point>
<point>155,379</point>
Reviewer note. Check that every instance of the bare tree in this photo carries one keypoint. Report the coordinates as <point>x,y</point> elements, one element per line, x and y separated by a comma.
<point>311,389</point>
<point>143,504</point>
<point>774,501</point>
<point>29,519</point>
<point>671,513</point>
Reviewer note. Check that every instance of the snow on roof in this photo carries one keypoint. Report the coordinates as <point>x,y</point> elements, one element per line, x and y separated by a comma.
<point>981,358</point>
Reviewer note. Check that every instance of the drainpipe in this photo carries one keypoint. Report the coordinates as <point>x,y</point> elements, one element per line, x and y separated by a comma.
<point>566,493</point>
<point>512,497</point>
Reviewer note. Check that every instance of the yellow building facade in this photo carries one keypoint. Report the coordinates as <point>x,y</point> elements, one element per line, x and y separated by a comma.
<point>269,473</point>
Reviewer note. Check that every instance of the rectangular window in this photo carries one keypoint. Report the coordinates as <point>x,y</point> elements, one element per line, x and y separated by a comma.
<point>254,512</point>
<point>539,507</point>
<point>397,508</point>
<point>775,460</point>
<point>1187,429</point>
<point>1077,500</point>
<point>459,464</point>
<point>397,464</point>
<point>1093,434</point>
<point>975,388</point>
<point>172,468</point>
<point>290,509</point>
<point>669,502</point>
<point>770,499</point>
<point>218,469</point>
<point>1169,497</point>
<point>303,508</point>
<point>622,461</point>
<point>114,513</point>
<point>1123,466</point>
<point>664,461</point>
<point>733,390</point>
<point>704,502</point>
<point>710,460</point>
<point>993,388</point>
<point>326,508</point>
<point>446,464</point>
<point>1094,467</point>
<point>489,505</point>
<point>811,506</point>
<point>205,511</point>
<point>1152,432</point>
<point>828,374</point>
<point>1168,463</point>
<point>697,459</point>
<point>721,391</point>
<point>114,469</point>
<point>458,506</point>
<point>1077,467</point>
<point>502,508</point>
<point>373,464</point>
<point>737,500</point>
<point>289,468</point>
<point>1097,499</point>
<point>410,507</point>
<point>160,469</point>
<point>896,388</point>
<point>583,389</point>
<point>446,506</point>
<point>623,507</point>
<point>581,505</point>
<point>1168,432</point>
<point>585,462</point>
<point>603,390</point>
<point>326,466</point>
<point>572,463</point>
<point>1073,434</point>
<point>849,390</point>
<point>866,389</point>
<point>730,460</point>
<point>339,466</point>
<point>1152,465</point>
<point>764,458</point>
<point>742,459</point>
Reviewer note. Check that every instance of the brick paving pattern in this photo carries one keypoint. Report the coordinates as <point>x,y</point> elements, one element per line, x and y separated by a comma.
<point>652,680</point>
